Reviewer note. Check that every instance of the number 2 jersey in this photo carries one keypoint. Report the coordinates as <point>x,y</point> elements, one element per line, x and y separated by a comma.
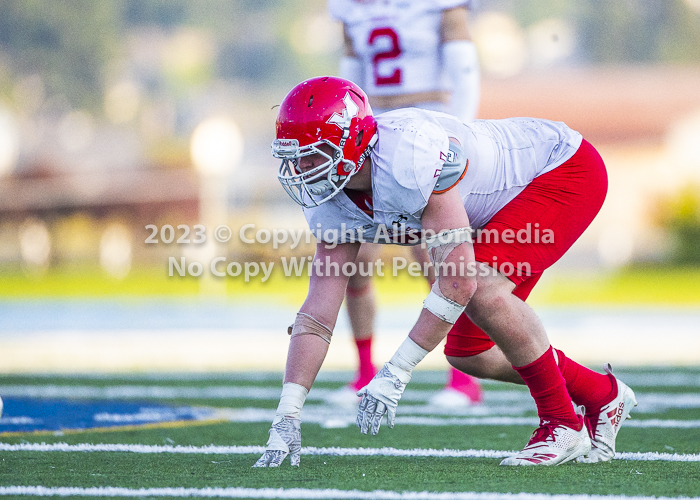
<point>503,157</point>
<point>398,42</point>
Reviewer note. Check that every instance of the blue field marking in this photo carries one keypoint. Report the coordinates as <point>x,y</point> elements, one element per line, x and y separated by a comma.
<point>32,415</point>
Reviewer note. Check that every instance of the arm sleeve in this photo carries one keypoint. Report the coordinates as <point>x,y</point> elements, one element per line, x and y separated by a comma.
<point>351,69</point>
<point>461,64</point>
<point>337,9</point>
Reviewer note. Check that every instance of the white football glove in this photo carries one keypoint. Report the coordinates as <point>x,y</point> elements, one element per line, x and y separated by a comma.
<point>381,396</point>
<point>285,439</point>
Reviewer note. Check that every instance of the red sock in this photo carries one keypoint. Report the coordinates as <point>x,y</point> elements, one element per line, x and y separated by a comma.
<point>365,370</point>
<point>548,388</point>
<point>586,387</point>
<point>465,384</point>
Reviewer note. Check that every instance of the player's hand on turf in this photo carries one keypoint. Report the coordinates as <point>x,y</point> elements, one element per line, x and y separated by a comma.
<point>381,396</point>
<point>285,439</point>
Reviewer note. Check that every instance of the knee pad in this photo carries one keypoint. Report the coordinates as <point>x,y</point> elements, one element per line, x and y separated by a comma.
<point>305,324</point>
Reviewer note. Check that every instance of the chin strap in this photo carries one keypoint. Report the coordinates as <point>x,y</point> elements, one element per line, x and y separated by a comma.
<point>365,154</point>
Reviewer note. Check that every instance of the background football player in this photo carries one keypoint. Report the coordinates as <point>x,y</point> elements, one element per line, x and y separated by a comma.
<point>408,53</point>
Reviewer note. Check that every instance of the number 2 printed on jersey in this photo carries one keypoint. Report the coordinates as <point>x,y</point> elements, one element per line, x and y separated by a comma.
<point>392,53</point>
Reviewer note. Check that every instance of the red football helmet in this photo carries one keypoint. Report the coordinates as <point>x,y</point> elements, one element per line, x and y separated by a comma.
<point>323,110</point>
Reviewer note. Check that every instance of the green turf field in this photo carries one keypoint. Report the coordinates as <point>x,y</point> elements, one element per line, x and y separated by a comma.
<point>431,453</point>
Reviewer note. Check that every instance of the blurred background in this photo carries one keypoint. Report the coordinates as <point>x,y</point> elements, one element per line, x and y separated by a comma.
<point>123,114</point>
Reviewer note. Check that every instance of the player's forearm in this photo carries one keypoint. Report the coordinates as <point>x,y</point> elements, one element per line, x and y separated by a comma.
<point>441,310</point>
<point>429,330</point>
<point>450,252</point>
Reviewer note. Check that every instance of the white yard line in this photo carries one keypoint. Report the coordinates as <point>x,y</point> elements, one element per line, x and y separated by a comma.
<point>645,424</point>
<point>334,417</point>
<point>501,407</point>
<point>300,493</point>
<point>144,391</point>
<point>651,378</point>
<point>648,401</point>
<point>308,450</point>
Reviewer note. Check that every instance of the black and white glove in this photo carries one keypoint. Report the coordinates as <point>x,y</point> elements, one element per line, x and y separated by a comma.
<point>285,439</point>
<point>381,396</point>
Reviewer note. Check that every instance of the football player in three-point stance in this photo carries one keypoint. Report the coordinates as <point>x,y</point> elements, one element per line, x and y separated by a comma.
<point>408,53</point>
<point>442,178</point>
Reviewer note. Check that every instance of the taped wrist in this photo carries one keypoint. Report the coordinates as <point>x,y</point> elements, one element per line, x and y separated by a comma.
<point>305,324</point>
<point>439,248</point>
<point>405,359</point>
<point>292,399</point>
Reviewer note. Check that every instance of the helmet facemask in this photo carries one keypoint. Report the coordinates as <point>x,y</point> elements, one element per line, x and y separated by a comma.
<point>317,185</point>
<point>326,116</point>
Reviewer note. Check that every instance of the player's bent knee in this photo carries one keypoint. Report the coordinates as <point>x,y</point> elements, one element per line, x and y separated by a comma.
<point>359,285</point>
<point>485,303</point>
<point>489,296</point>
<point>468,287</point>
<point>484,366</point>
<point>461,363</point>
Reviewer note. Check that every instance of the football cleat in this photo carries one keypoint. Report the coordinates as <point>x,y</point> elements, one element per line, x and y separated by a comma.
<point>604,424</point>
<point>553,444</point>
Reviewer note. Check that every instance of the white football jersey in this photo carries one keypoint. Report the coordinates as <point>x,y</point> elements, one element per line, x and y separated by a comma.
<point>397,41</point>
<point>503,156</point>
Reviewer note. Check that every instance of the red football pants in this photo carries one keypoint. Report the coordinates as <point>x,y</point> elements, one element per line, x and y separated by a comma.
<point>564,201</point>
